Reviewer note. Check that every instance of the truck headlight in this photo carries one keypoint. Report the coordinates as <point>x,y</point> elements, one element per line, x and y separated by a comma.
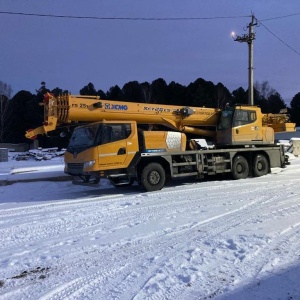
<point>89,164</point>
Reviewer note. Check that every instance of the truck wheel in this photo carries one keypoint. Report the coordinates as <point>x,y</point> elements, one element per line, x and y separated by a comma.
<point>152,177</point>
<point>240,167</point>
<point>260,165</point>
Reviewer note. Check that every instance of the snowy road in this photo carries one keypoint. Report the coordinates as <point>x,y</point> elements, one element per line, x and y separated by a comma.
<point>220,239</point>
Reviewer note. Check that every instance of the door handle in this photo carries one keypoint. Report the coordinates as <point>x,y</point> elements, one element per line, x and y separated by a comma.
<point>122,151</point>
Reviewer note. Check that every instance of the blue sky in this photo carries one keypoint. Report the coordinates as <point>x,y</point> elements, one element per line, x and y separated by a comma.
<point>70,53</point>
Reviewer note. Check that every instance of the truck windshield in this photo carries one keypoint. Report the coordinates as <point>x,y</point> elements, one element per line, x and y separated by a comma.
<point>225,119</point>
<point>97,134</point>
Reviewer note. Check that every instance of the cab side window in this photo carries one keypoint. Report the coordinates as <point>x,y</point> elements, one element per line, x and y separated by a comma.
<point>115,132</point>
<point>243,117</point>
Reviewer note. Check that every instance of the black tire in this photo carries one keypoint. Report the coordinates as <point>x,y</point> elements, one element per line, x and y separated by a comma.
<point>260,165</point>
<point>240,167</point>
<point>152,177</point>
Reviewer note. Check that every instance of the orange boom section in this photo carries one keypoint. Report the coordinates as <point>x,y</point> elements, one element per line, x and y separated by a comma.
<point>66,109</point>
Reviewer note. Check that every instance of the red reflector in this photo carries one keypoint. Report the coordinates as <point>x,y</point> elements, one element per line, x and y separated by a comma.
<point>33,137</point>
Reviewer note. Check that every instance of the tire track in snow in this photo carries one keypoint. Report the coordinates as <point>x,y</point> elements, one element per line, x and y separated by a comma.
<point>136,270</point>
<point>59,225</point>
<point>216,233</point>
<point>87,201</point>
<point>138,245</point>
<point>167,247</point>
<point>245,266</point>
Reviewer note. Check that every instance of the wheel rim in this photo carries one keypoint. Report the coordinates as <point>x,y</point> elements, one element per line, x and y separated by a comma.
<point>154,177</point>
<point>260,166</point>
<point>239,168</point>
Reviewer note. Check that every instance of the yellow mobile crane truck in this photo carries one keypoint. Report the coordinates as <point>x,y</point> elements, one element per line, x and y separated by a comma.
<point>112,145</point>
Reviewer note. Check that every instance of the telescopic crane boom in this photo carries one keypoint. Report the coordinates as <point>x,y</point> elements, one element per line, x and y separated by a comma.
<point>66,109</point>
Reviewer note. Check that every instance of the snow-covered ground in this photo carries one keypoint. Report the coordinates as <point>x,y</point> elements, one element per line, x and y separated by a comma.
<point>221,239</point>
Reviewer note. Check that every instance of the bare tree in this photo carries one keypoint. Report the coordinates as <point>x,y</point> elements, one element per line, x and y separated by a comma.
<point>146,91</point>
<point>264,89</point>
<point>5,110</point>
<point>222,96</point>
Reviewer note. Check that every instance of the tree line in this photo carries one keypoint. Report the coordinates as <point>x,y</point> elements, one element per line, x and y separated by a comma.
<point>23,111</point>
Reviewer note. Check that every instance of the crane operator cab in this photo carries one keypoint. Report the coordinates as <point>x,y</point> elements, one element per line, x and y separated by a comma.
<point>242,125</point>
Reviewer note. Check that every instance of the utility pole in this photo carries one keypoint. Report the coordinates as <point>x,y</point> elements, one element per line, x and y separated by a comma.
<point>249,38</point>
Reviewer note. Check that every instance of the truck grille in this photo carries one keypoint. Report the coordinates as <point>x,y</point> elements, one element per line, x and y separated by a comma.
<point>75,168</point>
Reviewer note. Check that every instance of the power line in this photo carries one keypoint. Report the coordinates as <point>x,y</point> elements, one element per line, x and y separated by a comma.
<point>281,17</point>
<point>155,19</point>
<point>120,18</point>
<point>140,18</point>
<point>279,38</point>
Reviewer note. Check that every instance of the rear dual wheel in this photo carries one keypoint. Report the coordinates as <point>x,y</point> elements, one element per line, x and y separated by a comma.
<point>241,170</point>
<point>260,165</point>
<point>240,167</point>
